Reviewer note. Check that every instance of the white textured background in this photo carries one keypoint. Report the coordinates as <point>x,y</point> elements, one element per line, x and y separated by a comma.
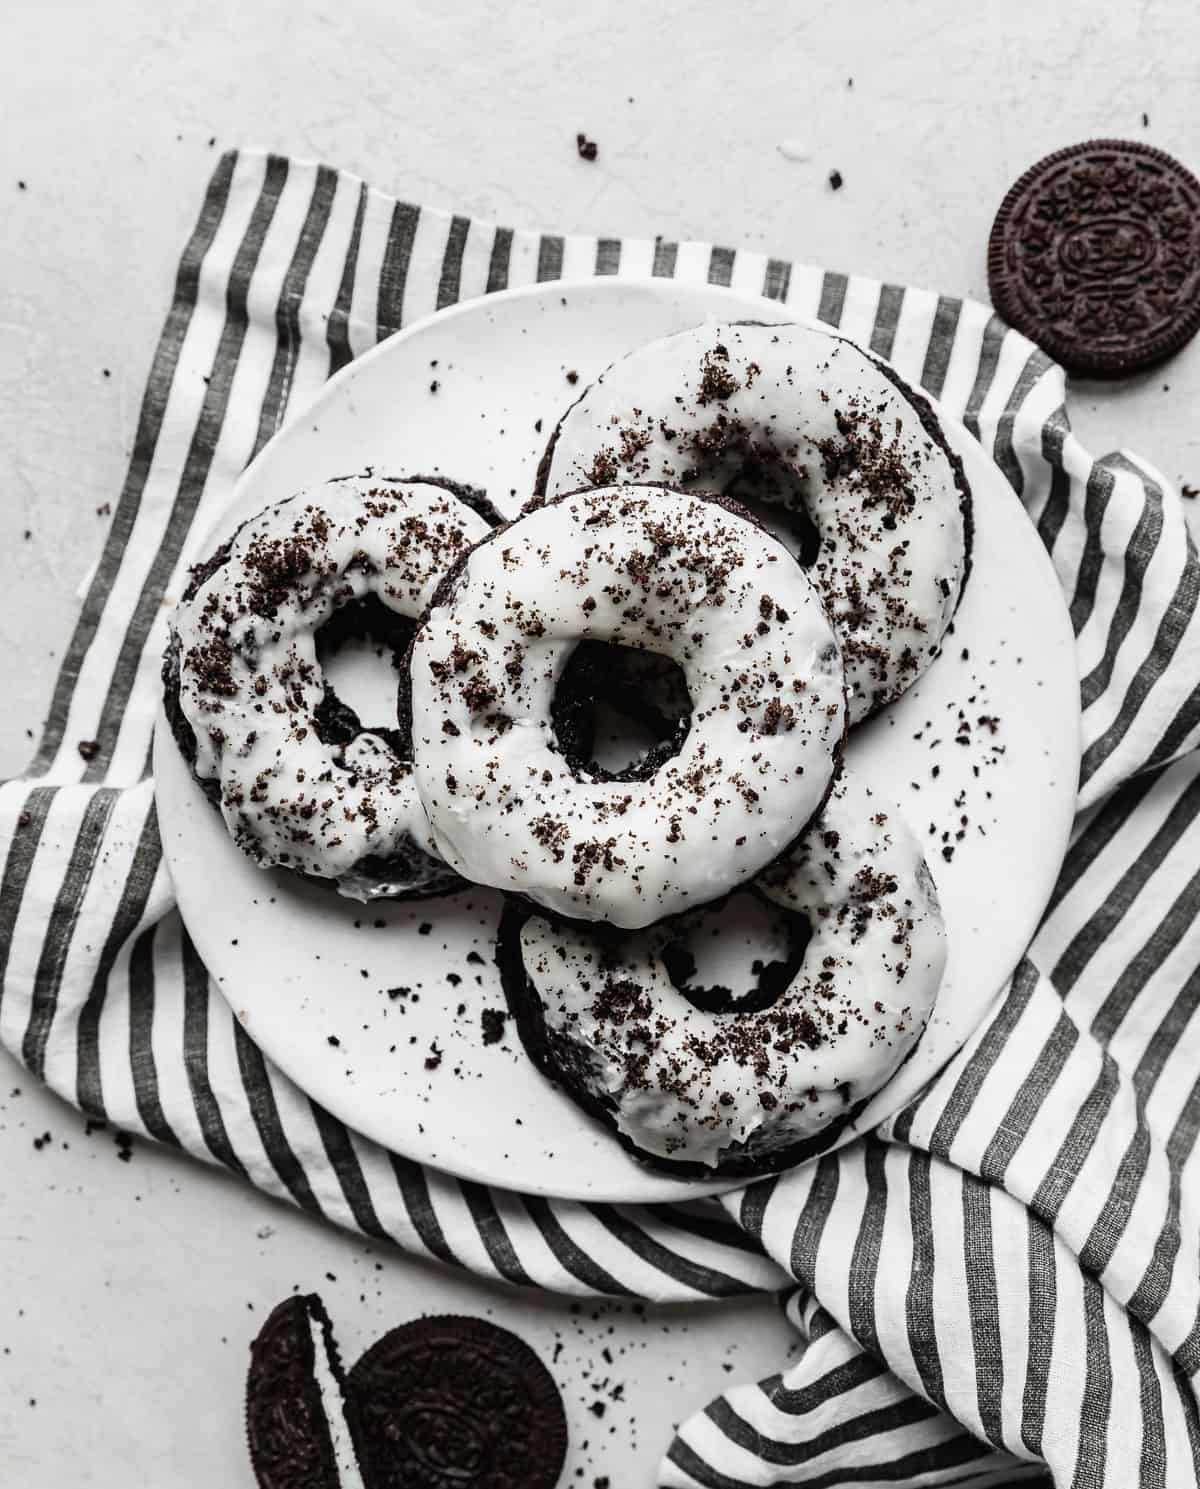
<point>128,1292</point>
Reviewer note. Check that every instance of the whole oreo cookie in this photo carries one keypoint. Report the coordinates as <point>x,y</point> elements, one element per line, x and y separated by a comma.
<point>1095,255</point>
<point>456,1403</point>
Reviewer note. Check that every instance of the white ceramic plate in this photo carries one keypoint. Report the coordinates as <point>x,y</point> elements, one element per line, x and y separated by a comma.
<point>300,965</point>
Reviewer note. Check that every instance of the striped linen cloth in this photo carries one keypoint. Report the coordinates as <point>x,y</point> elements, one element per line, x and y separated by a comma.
<point>1004,1280</point>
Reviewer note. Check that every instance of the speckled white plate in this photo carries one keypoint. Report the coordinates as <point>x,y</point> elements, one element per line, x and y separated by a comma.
<point>303,968</point>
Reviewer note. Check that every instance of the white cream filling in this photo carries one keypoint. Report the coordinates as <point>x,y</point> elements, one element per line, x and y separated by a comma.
<point>349,1475</point>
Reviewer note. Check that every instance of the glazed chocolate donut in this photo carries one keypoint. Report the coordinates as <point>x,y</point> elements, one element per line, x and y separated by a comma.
<point>828,446</point>
<point>689,577</point>
<point>704,1083</point>
<point>301,785</point>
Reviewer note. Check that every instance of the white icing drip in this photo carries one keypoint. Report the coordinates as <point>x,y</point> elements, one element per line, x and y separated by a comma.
<point>868,995</point>
<point>286,797</point>
<point>649,569</point>
<point>349,1476</point>
<point>805,399</point>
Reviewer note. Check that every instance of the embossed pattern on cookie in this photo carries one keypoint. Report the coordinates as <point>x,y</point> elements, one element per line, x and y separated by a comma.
<point>1095,255</point>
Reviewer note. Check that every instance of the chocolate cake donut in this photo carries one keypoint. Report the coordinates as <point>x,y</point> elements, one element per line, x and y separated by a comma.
<point>685,576</point>
<point>703,1082</point>
<point>827,445</point>
<point>300,783</point>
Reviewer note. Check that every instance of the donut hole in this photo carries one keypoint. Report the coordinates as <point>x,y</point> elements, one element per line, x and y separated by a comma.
<point>360,649</point>
<point>774,494</point>
<point>738,956</point>
<point>620,713</point>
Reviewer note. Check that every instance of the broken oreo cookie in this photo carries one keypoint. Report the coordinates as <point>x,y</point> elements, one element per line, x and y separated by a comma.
<point>1095,255</point>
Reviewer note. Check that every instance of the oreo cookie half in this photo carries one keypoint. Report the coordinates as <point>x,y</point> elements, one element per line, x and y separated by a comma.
<point>1095,255</point>
<point>456,1403</point>
<point>297,1420</point>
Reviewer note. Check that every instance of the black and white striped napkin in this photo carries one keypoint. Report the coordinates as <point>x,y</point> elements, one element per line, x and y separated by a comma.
<point>1007,1274</point>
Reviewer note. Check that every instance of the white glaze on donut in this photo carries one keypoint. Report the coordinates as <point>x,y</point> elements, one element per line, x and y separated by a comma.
<point>654,570</point>
<point>792,417</point>
<point>250,681</point>
<point>688,1085</point>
